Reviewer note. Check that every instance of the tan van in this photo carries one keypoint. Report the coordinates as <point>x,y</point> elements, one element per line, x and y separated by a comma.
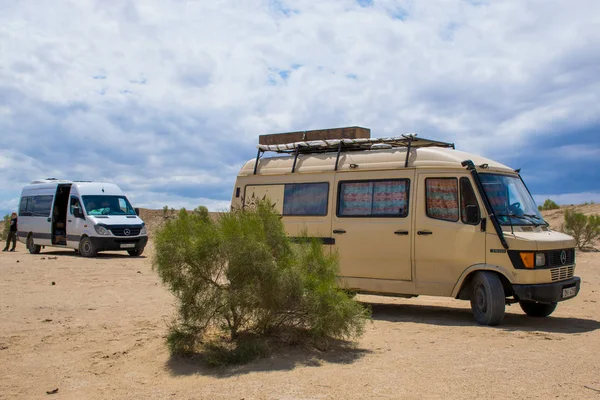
<point>411,216</point>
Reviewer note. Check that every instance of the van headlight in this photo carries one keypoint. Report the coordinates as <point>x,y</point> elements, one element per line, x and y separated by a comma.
<point>100,230</point>
<point>532,260</point>
<point>143,230</point>
<point>540,259</point>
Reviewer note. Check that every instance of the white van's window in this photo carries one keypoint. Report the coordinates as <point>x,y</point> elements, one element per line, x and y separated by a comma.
<point>36,206</point>
<point>107,205</point>
<point>23,211</point>
<point>441,196</point>
<point>384,198</point>
<point>305,199</point>
<point>74,205</point>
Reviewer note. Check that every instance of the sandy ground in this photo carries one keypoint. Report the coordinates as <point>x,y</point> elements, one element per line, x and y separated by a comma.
<point>98,333</point>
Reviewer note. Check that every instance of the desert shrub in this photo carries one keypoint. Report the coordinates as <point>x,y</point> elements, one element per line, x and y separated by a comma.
<point>585,229</point>
<point>5,227</point>
<point>242,276</point>
<point>549,205</point>
<point>201,211</point>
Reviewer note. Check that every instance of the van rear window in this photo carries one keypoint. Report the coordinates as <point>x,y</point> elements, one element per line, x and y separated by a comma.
<point>381,198</point>
<point>35,206</point>
<point>309,199</point>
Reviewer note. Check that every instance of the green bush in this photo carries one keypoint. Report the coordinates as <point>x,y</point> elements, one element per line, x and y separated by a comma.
<point>243,276</point>
<point>5,227</point>
<point>585,229</point>
<point>549,205</point>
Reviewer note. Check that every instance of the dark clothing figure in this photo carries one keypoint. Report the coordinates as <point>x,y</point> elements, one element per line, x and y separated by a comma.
<point>12,233</point>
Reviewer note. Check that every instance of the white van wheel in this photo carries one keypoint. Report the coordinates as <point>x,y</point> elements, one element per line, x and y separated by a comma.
<point>136,252</point>
<point>487,298</point>
<point>86,247</point>
<point>32,247</point>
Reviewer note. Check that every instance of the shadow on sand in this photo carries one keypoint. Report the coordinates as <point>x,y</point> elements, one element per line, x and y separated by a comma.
<point>282,359</point>
<point>446,316</point>
<point>73,253</point>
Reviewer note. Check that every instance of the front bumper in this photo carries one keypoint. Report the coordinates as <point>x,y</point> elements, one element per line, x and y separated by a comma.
<point>114,243</point>
<point>547,292</point>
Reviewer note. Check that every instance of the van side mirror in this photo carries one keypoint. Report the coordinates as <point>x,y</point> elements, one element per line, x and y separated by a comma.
<point>472,214</point>
<point>78,213</point>
<point>137,211</point>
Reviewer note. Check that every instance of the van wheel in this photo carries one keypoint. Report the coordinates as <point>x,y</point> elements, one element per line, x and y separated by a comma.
<point>534,309</point>
<point>32,247</point>
<point>487,298</point>
<point>136,252</point>
<point>86,247</point>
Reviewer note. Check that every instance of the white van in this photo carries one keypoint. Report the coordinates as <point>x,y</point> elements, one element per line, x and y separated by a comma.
<point>411,216</point>
<point>86,216</point>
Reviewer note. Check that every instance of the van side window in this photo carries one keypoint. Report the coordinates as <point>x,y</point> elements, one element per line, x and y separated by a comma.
<point>441,196</point>
<point>305,199</point>
<point>36,206</point>
<point>468,198</point>
<point>23,210</point>
<point>383,198</point>
<point>74,204</point>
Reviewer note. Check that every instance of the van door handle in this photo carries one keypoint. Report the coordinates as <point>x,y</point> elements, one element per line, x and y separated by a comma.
<point>403,233</point>
<point>69,220</point>
<point>339,231</point>
<point>424,233</point>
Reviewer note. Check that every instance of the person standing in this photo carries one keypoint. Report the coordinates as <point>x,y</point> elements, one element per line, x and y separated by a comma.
<point>12,233</point>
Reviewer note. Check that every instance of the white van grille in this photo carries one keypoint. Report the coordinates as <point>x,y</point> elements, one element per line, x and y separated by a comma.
<point>562,273</point>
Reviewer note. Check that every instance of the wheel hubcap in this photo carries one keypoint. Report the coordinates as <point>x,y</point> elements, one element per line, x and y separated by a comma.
<point>481,299</point>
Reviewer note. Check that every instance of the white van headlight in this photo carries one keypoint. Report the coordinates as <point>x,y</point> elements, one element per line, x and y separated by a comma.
<point>100,230</point>
<point>143,230</point>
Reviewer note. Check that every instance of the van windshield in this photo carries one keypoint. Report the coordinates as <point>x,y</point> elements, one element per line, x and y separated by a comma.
<point>510,199</point>
<point>107,205</point>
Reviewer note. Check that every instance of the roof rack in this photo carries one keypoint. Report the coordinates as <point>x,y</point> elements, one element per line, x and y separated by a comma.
<point>329,145</point>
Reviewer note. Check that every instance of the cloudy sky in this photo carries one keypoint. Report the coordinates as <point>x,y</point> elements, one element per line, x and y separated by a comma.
<point>167,98</point>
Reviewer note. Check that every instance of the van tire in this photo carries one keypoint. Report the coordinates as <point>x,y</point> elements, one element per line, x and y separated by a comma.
<point>488,302</point>
<point>539,310</point>
<point>86,247</point>
<point>135,252</point>
<point>32,247</point>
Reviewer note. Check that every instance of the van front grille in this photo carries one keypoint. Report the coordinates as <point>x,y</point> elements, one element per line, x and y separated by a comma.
<point>562,273</point>
<point>556,257</point>
<point>123,230</point>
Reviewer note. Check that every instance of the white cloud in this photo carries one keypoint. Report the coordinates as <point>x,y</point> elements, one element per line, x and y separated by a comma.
<point>172,95</point>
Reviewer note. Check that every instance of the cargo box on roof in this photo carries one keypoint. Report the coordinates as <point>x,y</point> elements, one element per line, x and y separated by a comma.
<point>352,132</point>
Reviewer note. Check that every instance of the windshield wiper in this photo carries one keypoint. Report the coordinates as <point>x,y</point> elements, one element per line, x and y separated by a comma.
<point>526,217</point>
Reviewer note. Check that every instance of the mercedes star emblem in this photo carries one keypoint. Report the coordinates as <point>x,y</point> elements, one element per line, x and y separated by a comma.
<point>563,257</point>
<point>127,232</point>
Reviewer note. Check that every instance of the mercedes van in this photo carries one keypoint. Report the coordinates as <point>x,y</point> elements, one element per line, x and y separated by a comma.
<point>86,216</point>
<point>410,216</point>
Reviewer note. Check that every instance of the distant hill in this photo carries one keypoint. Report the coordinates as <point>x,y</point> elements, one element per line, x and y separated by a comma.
<point>154,219</point>
<point>556,217</point>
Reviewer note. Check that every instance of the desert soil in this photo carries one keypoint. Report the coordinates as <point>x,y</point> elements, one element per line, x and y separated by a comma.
<point>99,332</point>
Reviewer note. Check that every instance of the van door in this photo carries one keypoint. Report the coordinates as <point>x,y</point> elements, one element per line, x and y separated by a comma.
<point>372,224</point>
<point>447,240</point>
<point>75,222</point>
